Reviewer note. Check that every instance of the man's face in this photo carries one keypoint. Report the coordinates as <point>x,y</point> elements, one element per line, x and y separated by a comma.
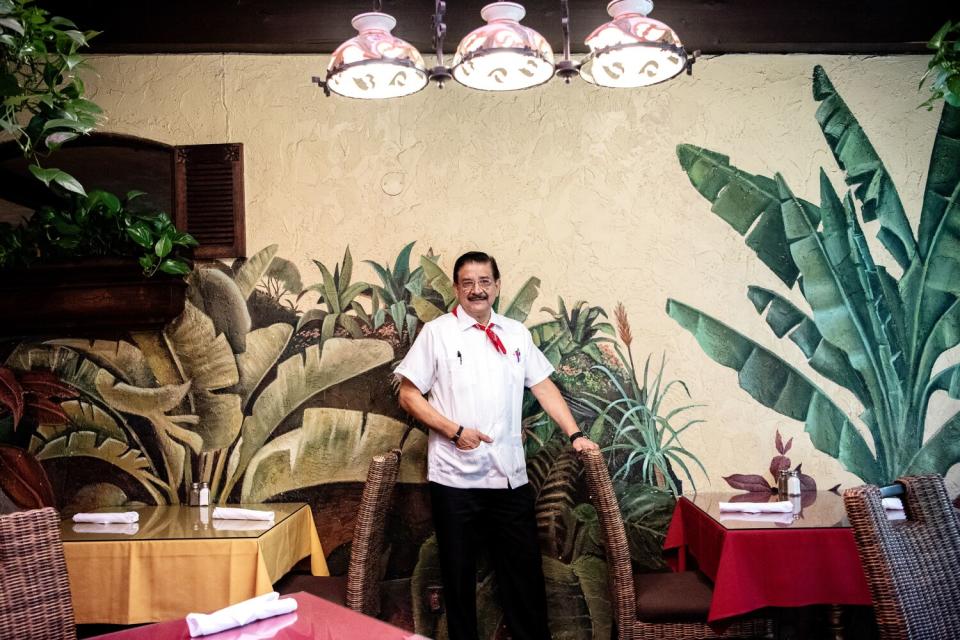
<point>476,289</point>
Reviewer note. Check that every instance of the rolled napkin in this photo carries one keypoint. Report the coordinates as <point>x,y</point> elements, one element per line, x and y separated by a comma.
<point>777,517</point>
<point>893,504</point>
<point>237,615</point>
<point>242,525</point>
<point>127,528</point>
<point>784,506</point>
<point>124,517</point>
<point>233,513</point>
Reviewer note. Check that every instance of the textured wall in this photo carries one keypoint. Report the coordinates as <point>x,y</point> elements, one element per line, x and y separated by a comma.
<point>576,185</point>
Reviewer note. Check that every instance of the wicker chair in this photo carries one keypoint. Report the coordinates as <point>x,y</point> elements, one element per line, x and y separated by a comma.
<point>360,590</point>
<point>34,591</point>
<point>652,605</point>
<point>913,565</point>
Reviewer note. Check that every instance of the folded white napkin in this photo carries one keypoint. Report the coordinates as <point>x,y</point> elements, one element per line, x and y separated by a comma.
<point>784,506</point>
<point>892,503</point>
<point>242,525</point>
<point>775,518</point>
<point>107,518</point>
<point>233,513</point>
<point>237,615</point>
<point>896,514</point>
<point>127,528</point>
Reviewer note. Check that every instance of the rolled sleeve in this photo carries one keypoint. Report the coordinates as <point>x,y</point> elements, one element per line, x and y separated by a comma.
<point>536,368</point>
<point>419,365</point>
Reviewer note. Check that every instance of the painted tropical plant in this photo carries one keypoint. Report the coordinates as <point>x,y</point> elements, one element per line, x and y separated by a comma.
<point>634,427</point>
<point>571,331</point>
<point>395,294</point>
<point>209,399</point>
<point>339,297</point>
<point>757,483</point>
<point>875,334</point>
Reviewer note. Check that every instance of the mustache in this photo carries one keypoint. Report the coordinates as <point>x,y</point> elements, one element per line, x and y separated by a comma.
<point>473,297</point>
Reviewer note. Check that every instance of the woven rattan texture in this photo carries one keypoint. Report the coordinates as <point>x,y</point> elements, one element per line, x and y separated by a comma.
<point>34,591</point>
<point>620,571</point>
<point>913,565</point>
<point>363,575</point>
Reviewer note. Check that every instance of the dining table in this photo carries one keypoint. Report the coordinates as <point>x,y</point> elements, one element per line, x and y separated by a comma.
<point>177,558</point>
<point>756,560</point>
<point>313,618</point>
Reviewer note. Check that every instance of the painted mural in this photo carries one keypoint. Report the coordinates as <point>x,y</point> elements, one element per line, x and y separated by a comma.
<point>878,332</point>
<point>276,385</point>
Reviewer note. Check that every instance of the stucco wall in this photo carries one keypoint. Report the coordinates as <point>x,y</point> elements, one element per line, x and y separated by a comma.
<point>576,185</point>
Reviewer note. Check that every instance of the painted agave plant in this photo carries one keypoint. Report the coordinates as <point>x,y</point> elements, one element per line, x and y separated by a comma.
<point>876,334</point>
<point>209,399</point>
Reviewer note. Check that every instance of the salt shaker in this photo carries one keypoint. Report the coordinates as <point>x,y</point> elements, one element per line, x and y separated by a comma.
<point>793,483</point>
<point>194,495</point>
<point>204,496</point>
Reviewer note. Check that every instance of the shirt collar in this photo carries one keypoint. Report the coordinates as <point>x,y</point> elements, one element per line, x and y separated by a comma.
<point>466,321</point>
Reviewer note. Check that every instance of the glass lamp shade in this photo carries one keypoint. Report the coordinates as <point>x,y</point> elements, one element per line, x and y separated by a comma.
<point>503,55</point>
<point>632,50</point>
<point>375,63</point>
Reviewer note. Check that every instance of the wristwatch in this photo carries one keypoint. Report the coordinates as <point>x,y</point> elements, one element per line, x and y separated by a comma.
<point>576,434</point>
<point>457,435</point>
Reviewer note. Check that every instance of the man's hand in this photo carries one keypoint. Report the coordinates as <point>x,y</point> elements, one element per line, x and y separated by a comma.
<point>584,444</point>
<point>471,439</point>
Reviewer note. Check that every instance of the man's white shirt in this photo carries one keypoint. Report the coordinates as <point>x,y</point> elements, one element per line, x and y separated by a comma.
<point>467,380</point>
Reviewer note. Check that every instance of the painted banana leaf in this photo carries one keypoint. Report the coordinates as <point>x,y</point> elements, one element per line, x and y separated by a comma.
<point>114,452</point>
<point>264,348</point>
<point>205,360</point>
<point>878,336</point>
<point>777,385</point>
<point>331,445</point>
<point>121,358</point>
<point>298,379</point>
<point>519,307</point>
<point>253,270</point>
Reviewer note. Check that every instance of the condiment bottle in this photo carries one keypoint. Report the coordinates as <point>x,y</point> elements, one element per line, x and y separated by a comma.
<point>793,483</point>
<point>204,496</point>
<point>194,495</point>
<point>782,477</point>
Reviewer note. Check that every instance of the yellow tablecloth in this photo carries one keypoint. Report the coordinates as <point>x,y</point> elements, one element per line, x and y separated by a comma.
<point>130,581</point>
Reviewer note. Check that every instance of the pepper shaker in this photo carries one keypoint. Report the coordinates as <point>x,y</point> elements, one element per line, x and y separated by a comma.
<point>194,500</point>
<point>782,476</point>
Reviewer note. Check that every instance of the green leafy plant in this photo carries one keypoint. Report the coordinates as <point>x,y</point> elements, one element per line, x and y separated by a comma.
<point>634,426</point>
<point>943,70</point>
<point>877,336</point>
<point>572,331</point>
<point>97,224</point>
<point>42,103</point>
<point>395,293</point>
<point>339,296</point>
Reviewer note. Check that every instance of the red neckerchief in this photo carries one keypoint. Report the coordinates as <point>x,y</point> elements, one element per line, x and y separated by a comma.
<point>494,338</point>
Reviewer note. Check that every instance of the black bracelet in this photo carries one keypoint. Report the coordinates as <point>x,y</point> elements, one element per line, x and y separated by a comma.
<point>457,435</point>
<point>575,435</point>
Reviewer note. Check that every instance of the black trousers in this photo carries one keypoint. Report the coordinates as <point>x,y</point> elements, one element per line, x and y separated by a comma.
<point>503,522</point>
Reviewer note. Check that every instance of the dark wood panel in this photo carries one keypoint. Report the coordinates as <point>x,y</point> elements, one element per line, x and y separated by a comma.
<point>318,26</point>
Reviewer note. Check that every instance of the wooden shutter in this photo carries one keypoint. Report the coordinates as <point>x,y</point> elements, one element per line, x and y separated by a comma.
<point>208,198</point>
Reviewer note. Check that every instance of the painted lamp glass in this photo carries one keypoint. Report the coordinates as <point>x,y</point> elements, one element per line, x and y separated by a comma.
<point>632,50</point>
<point>375,63</point>
<point>503,55</point>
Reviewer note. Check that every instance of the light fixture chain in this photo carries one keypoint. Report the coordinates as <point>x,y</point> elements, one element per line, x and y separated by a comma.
<point>439,29</point>
<point>378,6</point>
<point>565,27</point>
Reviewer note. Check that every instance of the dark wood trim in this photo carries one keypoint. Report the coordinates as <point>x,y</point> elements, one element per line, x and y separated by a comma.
<point>98,294</point>
<point>309,26</point>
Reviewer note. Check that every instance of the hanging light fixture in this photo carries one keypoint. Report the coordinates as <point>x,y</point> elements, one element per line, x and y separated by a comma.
<point>375,63</point>
<point>503,55</point>
<point>632,50</point>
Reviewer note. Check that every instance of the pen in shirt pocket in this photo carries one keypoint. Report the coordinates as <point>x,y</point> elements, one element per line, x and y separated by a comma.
<point>459,357</point>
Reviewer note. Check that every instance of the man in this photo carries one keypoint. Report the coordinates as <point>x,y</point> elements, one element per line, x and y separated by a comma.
<point>474,364</point>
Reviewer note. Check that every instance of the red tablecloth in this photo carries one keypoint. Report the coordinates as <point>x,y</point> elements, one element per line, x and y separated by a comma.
<point>756,568</point>
<point>314,618</point>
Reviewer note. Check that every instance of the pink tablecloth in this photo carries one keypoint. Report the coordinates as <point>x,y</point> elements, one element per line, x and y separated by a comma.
<point>314,618</point>
<point>756,568</point>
